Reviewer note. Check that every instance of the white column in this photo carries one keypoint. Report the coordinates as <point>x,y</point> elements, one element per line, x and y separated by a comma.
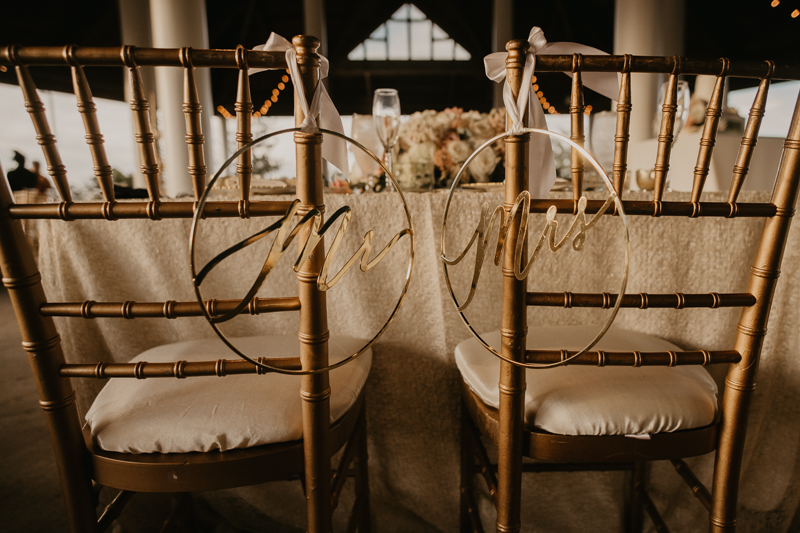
<point>134,18</point>
<point>651,28</point>
<point>501,33</point>
<point>315,24</point>
<point>175,24</point>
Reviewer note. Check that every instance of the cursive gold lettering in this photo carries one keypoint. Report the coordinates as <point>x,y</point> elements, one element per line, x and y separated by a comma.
<point>315,231</point>
<point>577,230</point>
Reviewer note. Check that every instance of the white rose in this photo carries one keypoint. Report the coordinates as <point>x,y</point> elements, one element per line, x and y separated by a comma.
<point>483,165</point>
<point>482,129</point>
<point>459,151</point>
<point>421,153</point>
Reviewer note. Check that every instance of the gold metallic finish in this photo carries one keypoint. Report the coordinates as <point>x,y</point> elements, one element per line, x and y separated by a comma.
<point>622,136</point>
<point>82,464</point>
<point>698,489</point>
<point>707,142</point>
<point>666,136</point>
<point>310,221</point>
<point>47,140</point>
<point>750,137</point>
<point>513,228</point>
<point>606,452</point>
<point>102,169</point>
<point>244,112</point>
<point>635,359</point>
<point>56,393</point>
<point>641,301</point>
<point>141,120</point>
<point>194,130</point>
<point>145,370</point>
<point>576,112</point>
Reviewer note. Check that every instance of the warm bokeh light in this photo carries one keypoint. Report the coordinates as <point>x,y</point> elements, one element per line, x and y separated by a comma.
<point>535,87</point>
<point>275,92</point>
<point>775,3</point>
<point>795,13</point>
<point>281,86</point>
<point>274,98</point>
<point>285,78</point>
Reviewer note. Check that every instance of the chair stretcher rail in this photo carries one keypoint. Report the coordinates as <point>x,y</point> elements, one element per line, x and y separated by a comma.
<point>168,309</point>
<point>114,56</point>
<point>177,369</point>
<point>664,209</point>
<point>148,210</point>
<point>606,300</point>
<point>635,359</point>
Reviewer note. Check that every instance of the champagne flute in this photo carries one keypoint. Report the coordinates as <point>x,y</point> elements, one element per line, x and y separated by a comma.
<point>386,114</point>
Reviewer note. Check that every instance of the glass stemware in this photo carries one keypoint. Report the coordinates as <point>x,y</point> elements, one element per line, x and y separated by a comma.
<point>386,114</point>
<point>682,99</point>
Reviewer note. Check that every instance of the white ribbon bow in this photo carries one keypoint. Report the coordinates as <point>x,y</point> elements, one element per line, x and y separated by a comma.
<point>542,172</point>
<point>334,149</point>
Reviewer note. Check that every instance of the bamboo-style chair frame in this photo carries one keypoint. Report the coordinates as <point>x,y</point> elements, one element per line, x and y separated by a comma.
<point>505,426</point>
<point>83,467</point>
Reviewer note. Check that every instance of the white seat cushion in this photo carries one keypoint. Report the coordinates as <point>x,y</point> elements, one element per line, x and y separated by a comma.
<point>199,414</point>
<point>586,400</point>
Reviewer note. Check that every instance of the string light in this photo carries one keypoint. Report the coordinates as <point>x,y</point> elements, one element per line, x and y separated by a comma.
<point>545,104</point>
<point>794,14</point>
<point>224,112</point>
<point>267,103</point>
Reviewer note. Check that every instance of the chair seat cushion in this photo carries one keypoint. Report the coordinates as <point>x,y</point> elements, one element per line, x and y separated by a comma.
<point>586,400</point>
<point>199,414</point>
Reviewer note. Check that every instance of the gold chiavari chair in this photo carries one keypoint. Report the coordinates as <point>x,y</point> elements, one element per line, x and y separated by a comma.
<point>578,418</point>
<point>146,447</point>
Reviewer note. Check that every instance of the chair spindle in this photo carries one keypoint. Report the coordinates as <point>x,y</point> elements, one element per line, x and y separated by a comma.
<point>750,137</point>
<point>244,134</point>
<point>576,110</point>
<point>194,130</point>
<point>622,135</point>
<point>144,134</point>
<point>707,142</point>
<point>102,169</point>
<point>47,140</point>
<point>313,332</point>
<point>666,135</point>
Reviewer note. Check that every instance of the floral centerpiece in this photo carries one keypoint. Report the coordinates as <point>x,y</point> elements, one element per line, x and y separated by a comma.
<point>443,141</point>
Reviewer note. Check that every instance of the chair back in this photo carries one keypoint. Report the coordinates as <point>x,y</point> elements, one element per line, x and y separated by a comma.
<point>35,313</point>
<point>743,355</point>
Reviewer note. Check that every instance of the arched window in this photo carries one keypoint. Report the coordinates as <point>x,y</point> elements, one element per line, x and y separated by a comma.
<point>409,35</point>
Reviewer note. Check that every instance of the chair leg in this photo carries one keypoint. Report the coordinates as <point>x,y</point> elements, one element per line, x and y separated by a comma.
<point>634,515</point>
<point>362,473</point>
<point>182,517</point>
<point>467,472</point>
<point>509,448</point>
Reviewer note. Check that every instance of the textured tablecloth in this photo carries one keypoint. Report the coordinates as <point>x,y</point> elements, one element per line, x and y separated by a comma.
<point>413,390</point>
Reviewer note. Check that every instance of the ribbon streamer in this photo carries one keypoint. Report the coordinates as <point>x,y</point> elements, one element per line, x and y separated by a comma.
<point>541,170</point>
<point>334,150</point>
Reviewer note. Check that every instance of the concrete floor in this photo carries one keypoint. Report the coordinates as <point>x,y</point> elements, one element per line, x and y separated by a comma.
<point>30,494</point>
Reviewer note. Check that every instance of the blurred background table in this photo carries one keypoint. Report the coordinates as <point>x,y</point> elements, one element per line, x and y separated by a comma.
<point>413,389</point>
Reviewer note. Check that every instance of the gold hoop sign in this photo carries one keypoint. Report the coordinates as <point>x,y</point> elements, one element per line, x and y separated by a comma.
<point>577,233</point>
<point>285,235</point>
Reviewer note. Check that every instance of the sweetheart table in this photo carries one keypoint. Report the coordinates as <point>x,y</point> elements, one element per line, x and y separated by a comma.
<point>413,389</point>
